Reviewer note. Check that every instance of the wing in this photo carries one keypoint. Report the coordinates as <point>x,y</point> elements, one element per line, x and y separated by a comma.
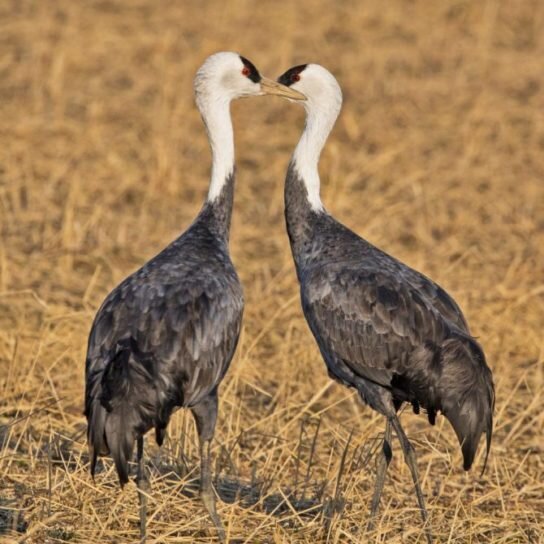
<point>369,319</point>
<point>435,296</point>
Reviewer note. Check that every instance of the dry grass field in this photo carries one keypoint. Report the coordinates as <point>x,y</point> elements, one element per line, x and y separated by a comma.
<point>438,158</point>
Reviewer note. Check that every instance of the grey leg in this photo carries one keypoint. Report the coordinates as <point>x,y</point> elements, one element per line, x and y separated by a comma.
<point>383,462</point>
<point>205,415</point>
<point>410,458</point>
<point>143,487</point>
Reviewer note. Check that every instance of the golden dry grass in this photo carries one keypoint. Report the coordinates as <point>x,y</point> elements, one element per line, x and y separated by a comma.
<point>438,157</point>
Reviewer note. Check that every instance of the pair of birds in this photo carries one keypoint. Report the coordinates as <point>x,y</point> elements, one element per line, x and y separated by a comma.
<point>164,338</point>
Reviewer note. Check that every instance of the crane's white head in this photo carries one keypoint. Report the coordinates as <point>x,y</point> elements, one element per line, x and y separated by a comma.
<point>226,76</point>
<point>317,84</point>
<point>323,103</point>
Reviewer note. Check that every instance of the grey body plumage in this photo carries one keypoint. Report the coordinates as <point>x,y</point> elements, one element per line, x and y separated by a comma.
<point>164,338</point>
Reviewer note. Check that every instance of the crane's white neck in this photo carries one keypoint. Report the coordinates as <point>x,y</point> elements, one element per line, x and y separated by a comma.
<point>215,111</point>
<point>320,118</point>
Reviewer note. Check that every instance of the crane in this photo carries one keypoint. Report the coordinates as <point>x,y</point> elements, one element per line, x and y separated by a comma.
<point>165,336</point>
<point>382,328</point>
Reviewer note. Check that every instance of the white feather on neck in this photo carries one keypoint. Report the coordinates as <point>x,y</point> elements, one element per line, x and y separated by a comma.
<point>322,108</point>
<point>215,111</point>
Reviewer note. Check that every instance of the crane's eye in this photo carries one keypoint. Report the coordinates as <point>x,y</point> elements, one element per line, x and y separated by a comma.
<point>295,78</point>
<point>246,71</point>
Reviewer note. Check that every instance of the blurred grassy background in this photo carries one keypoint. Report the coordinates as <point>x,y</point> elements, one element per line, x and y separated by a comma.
<point>438,158</point>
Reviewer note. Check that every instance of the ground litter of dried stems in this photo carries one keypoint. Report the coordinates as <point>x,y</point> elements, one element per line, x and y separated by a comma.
<point>438,158</point>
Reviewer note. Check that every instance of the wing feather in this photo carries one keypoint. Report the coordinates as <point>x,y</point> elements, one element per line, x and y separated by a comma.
<point>367,319</point>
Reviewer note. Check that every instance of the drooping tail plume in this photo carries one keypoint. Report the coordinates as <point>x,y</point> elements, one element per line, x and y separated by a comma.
<point>470,399</point>
<point>122,406</point>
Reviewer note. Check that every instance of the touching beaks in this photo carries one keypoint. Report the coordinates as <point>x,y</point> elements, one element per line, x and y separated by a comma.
<point>269,86</point>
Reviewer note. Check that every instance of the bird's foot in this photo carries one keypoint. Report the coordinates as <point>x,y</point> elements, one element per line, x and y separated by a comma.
<point>428,535</point>
<point>208,498</point>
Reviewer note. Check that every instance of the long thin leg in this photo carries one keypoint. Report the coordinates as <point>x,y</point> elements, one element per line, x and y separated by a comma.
<point>383,462</point>
<point>205,415</point>
<point>410,458</point>
<point>207,492</point>
<point>143,487</point>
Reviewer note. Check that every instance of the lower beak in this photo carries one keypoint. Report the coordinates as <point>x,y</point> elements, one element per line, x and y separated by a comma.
<point>269,86</point>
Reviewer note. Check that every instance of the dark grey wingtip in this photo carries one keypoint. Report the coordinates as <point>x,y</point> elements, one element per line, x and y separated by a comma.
<point>488,437</point>
<point>469,451</point>
<point>121,455</point>
<point>92,457</point>
<point>122,472</point>
<point>489,428</point>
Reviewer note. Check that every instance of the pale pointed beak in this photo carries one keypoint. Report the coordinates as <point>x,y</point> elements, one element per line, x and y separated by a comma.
<point>268,86</point>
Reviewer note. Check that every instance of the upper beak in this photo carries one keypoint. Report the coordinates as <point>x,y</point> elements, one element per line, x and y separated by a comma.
<point>269,86</point>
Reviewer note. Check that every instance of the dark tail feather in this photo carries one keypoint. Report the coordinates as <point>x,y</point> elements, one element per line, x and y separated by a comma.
<point>160,431</point>
<point>471,401</point>
<point>488,437</point>
<point>469,420</point>
<point>490,389</point>
<point>95,434</point>
<point>96,420</point>
<point>122,409</point>
<point>121,442</point>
